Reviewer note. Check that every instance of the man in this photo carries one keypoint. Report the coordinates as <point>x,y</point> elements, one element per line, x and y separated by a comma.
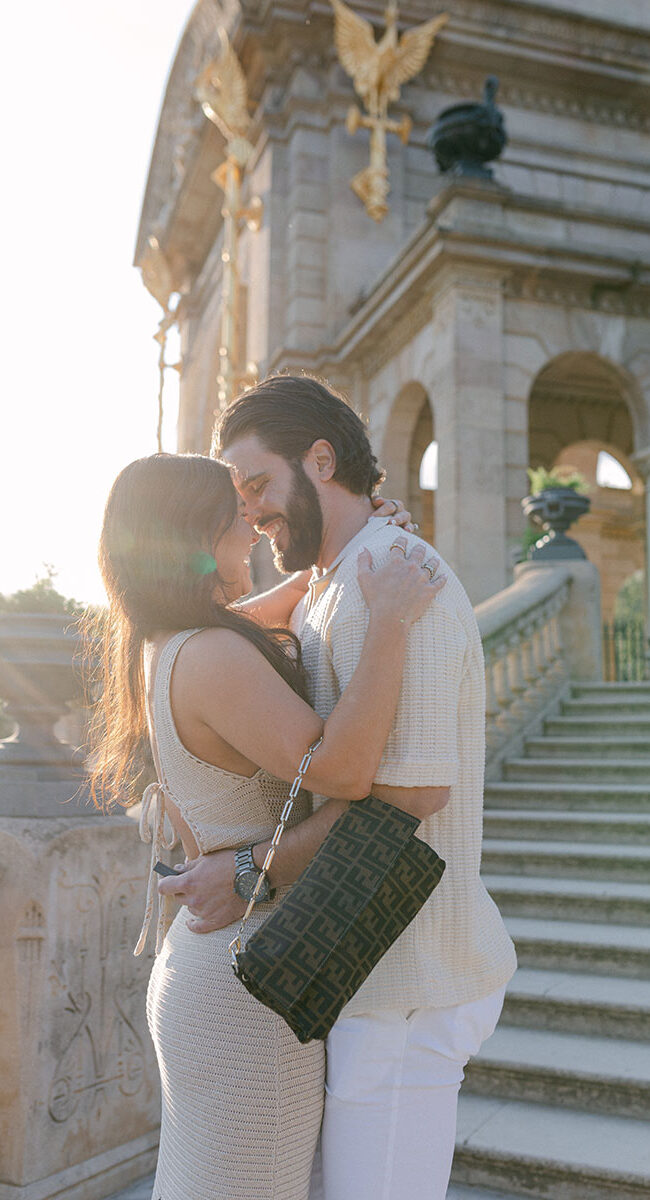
<point>302,463</point>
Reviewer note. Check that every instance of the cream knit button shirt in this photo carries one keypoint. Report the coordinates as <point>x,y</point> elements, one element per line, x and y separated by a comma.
<point>457,948</point>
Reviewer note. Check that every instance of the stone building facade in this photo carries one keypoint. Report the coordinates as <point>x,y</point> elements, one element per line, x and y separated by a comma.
<point>509,320</point>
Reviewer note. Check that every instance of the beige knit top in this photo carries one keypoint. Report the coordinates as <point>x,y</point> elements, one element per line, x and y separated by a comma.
<point>457,949</point>
<point>223,810</point>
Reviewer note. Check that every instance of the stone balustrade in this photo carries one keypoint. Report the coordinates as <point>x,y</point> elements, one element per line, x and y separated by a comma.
<point>532,632</point>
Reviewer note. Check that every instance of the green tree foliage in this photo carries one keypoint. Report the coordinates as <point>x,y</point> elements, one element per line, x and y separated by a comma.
<point>41,597</point>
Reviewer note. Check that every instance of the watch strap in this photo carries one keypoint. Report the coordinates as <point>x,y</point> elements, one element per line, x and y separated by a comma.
<point>245,862</point>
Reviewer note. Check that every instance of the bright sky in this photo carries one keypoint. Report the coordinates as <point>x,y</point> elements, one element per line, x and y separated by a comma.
<point>84,82</point>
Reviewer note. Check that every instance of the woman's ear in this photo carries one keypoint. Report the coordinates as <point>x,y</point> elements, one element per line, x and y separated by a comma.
<point>320,461</point>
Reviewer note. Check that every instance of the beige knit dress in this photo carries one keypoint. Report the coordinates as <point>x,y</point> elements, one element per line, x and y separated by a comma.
<point>241,1098</point>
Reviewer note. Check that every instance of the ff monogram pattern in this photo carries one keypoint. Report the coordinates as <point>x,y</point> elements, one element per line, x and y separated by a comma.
<point>364,885</point>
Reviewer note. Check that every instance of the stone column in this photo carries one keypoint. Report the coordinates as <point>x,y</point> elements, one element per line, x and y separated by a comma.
<point>79,1099</point>
<point>642,463</point>
<point>468,402</point>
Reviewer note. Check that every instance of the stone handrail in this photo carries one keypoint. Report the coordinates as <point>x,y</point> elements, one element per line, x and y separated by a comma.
<point>525,664</point>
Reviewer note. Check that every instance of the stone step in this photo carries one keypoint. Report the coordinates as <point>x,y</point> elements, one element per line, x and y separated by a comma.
<point>615,689</point>
<point>565,795</point>
<point>606,1075</point>
<point>583,860</point>
<point>609,827</point>
<point>611,770</point>
<point>571,899</point>
<point>627,726</point>
<point>140,1190</point>
<point>534,1150</point>
<point>588,706</point>
<point>588,747</point>
<point>464,1192</point>
<point>603,1006</point>
<point>593,948</point>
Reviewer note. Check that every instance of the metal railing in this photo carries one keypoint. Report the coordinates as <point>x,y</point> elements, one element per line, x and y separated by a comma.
<point>624,651</point>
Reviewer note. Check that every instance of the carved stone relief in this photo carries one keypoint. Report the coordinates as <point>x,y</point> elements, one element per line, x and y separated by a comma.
<point>96,988</point>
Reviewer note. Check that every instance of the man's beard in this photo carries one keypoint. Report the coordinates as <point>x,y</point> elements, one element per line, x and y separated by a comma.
<point>304,523</point>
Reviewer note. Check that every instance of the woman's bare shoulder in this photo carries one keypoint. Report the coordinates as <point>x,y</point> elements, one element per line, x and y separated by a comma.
<point>216,648</point>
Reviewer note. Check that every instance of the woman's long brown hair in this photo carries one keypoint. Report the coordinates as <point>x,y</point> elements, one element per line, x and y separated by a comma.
<point>163,521</point>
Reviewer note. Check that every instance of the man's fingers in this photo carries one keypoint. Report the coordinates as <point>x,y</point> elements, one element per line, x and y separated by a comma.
<point>173,885</point>
<point>438,583</point>
<point>198,926</point>
<point>418,553</point>
<point>364,561</point>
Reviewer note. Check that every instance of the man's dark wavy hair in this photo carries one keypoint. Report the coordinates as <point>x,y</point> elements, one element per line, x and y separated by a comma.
<point>288,413</point>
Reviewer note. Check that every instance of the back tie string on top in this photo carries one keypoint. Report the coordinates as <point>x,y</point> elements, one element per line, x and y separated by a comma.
<point>152,829</point>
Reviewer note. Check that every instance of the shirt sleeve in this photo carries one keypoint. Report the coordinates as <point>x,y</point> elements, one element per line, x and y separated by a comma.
<point>422,747</point>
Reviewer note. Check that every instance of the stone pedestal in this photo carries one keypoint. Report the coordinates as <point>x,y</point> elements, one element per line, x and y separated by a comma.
<point>580,618</point>
<point>79,1104</point>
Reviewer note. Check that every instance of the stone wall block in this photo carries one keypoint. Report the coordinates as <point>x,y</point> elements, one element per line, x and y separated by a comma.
<point>79,1090</point>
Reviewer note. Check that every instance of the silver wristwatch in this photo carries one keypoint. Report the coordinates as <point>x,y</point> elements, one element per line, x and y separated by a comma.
<point>247,875</point>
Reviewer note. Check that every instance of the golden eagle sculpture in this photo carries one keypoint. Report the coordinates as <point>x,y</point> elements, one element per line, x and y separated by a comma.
<point>222,92</point>
<point>378,71</point>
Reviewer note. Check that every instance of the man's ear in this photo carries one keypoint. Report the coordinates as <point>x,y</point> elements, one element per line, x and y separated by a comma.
<point>320,461</point>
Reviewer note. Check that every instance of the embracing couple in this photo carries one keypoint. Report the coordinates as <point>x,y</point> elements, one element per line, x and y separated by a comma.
<point>377,650</point>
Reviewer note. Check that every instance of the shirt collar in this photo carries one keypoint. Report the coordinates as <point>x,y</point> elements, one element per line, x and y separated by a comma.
<point>321,578</point>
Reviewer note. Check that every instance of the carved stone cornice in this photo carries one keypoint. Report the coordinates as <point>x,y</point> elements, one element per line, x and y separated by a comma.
<point>548,287</point>
<point>539,97</point>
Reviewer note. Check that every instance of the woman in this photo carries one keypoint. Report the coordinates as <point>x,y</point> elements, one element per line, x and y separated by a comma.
<point>242,1098</point>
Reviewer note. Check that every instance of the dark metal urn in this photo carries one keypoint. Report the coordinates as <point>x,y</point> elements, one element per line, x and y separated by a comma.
<point>467,136</point>
<point>555,510</point>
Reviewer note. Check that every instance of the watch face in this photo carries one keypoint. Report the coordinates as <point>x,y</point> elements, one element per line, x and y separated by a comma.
<point>246,882</point>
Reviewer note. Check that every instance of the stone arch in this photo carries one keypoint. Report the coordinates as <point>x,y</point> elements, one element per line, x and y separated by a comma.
<point>407,433</point>
<point>576,397</point>
<point>580,403</point>
<point>612,532</point>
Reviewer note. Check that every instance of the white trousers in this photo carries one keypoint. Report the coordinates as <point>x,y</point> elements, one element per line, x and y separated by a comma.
<point>391,1097</point>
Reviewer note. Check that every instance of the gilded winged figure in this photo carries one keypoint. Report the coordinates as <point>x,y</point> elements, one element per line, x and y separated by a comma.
<point>223,93</point>
<point>379,69</point>
<point>156,275</point>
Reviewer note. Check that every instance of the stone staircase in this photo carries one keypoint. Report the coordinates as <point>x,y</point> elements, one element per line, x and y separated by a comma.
<point>557,1104</point>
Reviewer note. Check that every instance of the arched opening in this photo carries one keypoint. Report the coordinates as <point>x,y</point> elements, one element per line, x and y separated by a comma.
<point>580,419</point>
<point>408,436</point>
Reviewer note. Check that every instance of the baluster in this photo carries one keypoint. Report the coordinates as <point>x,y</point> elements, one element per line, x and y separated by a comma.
<point>556,633</point>
<point>547,633</point>
<point>518,681</point>
<point>492,708</point>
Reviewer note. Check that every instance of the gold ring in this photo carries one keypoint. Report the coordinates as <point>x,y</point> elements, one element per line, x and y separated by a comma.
<point>427,567</point>
<point>398,546</point>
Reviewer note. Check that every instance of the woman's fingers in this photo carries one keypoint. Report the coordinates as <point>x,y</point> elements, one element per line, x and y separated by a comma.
<point>395,510</point>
